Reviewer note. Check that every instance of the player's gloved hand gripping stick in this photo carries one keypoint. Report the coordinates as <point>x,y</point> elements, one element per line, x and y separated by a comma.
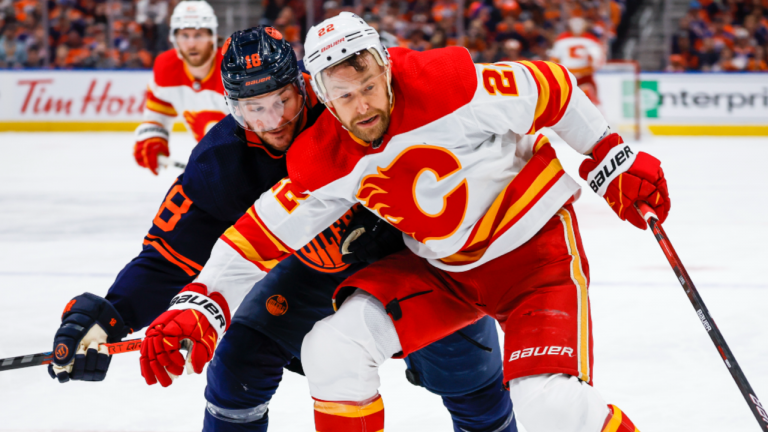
<point>649,215</point>
<point>195,322</point>
<point>89,334</point>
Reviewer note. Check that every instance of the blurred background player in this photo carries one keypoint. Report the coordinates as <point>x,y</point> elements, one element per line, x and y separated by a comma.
<point>582,54</point>
<point>238,160</point>
<point>186,82</point>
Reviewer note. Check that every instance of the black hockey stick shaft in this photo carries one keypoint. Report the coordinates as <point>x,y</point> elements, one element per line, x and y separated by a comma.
<point>44,358</point>
<point>706,319</point>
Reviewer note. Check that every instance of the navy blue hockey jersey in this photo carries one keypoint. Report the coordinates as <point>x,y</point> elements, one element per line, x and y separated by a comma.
<point>226,173</point>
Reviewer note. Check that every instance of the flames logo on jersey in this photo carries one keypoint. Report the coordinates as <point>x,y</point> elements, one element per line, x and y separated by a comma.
<point>202,121</point>
<point>392,193</point>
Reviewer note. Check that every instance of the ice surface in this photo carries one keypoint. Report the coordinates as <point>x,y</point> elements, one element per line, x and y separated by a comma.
<point>74,209</point>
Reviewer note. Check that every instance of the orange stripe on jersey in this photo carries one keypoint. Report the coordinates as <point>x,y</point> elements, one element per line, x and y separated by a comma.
<point>253,241</point>
<point>238,242</point>
<point>159,106</point>
<point>617,421</point>
<point>275,241</point>
<point>520,195</point>
<point>167,255</point>
<point>555,89</point>
<point>181,257</point>
<point>349,416</point>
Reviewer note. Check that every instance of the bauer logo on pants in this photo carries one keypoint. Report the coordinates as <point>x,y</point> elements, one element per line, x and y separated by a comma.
<point>277,305</point>
<point>540,351</point>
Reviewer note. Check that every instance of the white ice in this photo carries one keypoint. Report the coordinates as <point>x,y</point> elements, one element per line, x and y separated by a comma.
<point>74,209</point>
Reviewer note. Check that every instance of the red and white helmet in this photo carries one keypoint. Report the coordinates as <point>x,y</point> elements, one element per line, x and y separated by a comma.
<point>195,14</point>
<point>335,40</point>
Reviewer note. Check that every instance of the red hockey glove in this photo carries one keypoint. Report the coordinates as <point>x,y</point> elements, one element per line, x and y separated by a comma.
<point>194,322</point>
<point>624,177</point>
<point>147,151</point>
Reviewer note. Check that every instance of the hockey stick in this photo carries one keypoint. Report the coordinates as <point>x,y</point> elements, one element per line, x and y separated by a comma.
<point>647,212</point>
<point>47,357</point>
<point>167,162</point>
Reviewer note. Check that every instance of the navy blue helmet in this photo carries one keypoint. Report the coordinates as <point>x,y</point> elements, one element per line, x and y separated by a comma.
<point>257,61</point>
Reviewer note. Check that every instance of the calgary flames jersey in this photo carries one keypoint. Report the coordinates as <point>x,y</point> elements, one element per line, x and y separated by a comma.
<point>581,55</point>
<point>461,170</point>
<point>174,92</point>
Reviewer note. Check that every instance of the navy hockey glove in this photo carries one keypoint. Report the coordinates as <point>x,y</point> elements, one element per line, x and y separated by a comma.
<point>369,238</point>
<point>87,323</point>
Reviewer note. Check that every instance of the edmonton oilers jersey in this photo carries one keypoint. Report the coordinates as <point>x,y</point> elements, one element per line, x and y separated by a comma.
<point>226,173</point>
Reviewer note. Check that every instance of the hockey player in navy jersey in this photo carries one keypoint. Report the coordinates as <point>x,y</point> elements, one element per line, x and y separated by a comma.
<point>238,160</point>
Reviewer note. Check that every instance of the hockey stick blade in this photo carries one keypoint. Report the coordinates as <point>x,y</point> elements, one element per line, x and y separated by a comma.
<point>44,358</point>
<point>647,212</point>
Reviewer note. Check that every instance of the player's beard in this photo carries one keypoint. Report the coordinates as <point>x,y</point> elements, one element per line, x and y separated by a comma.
<point>287,134</point>
<point>204,56</point>
<point>370,134</point>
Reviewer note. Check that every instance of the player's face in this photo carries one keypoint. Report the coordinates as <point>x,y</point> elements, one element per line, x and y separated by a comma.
<point>360,97</point>
<point>276,112</point>
<point>195,45</point>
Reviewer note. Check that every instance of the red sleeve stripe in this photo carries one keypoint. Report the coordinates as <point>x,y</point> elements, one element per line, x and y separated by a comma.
<point>238,242</point>
<point>167,255</point>
<point>282,247</point>
<point>555,89</point>
<point>535,179</point>
<point>159,106</point>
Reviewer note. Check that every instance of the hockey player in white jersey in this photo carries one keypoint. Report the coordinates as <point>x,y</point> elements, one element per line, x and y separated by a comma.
<point>581,53</point>
<point>186,83</point>
<point>450,153</point>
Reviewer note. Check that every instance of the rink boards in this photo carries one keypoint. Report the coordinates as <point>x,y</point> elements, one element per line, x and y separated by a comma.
<point>669,103</point>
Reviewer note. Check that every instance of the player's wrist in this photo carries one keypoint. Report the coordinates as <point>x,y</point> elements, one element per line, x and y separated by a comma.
<point>213,306</point>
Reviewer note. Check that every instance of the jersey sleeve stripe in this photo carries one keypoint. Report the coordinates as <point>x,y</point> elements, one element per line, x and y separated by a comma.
<point>275,241</point>
<point>181,257</point>
<point>554,87</point>
<point>167,255</point>
<point>522,193</point>
<point>159,106</point>
<point>237,241</point>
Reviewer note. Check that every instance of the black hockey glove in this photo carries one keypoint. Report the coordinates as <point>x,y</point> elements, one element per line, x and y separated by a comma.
<point>369,238</point>
<point>87,323</point>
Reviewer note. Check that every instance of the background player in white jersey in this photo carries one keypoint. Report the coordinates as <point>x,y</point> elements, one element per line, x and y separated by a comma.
<point>186,82</point>
<point>581,53</point>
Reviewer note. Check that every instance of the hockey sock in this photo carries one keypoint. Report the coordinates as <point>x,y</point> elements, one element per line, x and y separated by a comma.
<point>366,416</point>
<point>617,421</point>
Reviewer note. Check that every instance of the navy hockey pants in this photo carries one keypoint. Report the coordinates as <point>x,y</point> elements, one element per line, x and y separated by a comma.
<point>265,338</point>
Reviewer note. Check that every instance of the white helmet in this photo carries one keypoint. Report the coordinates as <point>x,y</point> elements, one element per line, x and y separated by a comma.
<point>193,14</point>
<point>336,39</point>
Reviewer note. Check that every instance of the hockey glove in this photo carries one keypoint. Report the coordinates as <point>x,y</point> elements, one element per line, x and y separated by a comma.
<point>624,177</point>
<point>369,238</point>
<point>88,322</point>
<point>195,322</point>
<point>146,152</point>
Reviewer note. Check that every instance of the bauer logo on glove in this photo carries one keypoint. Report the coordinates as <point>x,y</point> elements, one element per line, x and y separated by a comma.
<point>195,322</point>
<point>625,178</point>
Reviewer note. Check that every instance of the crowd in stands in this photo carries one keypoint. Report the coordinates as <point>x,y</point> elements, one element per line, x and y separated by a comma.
<point>129,34</point>
<point>83,34</point>
<point>722,36</point>
<point>493,30</point>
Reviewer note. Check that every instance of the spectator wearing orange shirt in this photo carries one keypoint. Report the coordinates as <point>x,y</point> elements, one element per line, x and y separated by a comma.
<point>758,63</point>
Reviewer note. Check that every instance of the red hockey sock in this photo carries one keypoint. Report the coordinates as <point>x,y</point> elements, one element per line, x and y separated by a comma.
<point>617,421</point>
<point>365,416</point>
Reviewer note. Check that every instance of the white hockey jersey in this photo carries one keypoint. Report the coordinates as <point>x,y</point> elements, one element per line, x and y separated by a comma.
<point>461,170</point>
<point>174,92</point>
<point>581,55</point>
